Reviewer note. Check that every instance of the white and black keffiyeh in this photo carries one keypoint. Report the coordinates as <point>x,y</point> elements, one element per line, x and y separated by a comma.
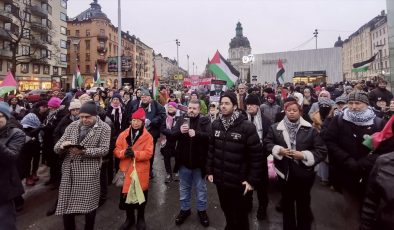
<point>292,129</point>
<point>361,118</point>
<point>228,121</point>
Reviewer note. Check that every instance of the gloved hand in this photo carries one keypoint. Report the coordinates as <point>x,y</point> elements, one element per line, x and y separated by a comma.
<point>129,152</point>
<point>147,122</point>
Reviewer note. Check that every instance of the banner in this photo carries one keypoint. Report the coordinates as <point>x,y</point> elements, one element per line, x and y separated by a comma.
<point>195,81</point>
<point>218,87</point>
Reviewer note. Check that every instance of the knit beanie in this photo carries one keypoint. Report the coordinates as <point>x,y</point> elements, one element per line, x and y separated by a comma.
<point>74,104</point>
<point>271,96</point>
<point>252,99</point>
<point>325,92</point>
<point>173,104</point>
<point>54,102</point>
<point>5,109</point>
<point>145,92</point>
<point>231,96</point>
<point>89,108</point>
<point>139,114</point>
<point>117,95</point>
<point>360,96</point>
<point>324,102</point>
<point>341,99</point>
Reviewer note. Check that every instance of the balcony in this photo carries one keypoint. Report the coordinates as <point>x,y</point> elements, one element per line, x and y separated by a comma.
<point>6,54</point>
<point>38,43</point>
<point>5,16</point>
<point>38,11</point>
<point>4,35</point>
<point>37,59</point>
<point>101,49</point>
<point>102,37</point>
<point>39,27</point>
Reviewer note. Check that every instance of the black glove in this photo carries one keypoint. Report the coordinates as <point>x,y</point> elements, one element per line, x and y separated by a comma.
<point>129,152</point>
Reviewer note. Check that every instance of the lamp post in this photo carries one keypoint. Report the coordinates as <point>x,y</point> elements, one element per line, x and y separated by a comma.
<point>188,64</point>
<point>315,35</point>
<point>178,43</point>
<point>119,46</point>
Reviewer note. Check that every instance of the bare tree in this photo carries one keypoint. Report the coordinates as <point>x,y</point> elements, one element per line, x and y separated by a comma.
<point>29,39</point>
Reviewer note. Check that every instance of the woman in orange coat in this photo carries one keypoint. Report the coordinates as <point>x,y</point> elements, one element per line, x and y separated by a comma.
<point>134,142</point>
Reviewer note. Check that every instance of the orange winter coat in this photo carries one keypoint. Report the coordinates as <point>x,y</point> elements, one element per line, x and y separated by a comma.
<point>143,151</point>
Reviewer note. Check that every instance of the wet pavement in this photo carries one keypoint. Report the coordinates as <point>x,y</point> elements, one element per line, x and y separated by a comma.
<point>163,206</point>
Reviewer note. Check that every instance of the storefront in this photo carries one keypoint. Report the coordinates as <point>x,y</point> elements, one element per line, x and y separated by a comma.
<point>32,83</point>
<point>309,66</point>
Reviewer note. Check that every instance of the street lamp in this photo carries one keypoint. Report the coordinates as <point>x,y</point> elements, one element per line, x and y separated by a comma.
<point>178,43</point>
<point>315,35</point>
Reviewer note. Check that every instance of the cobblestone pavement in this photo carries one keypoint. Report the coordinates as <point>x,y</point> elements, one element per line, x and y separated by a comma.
<point>163,206</point>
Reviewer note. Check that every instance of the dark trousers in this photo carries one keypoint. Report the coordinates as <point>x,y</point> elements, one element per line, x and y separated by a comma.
<point>262,196</point>
<point>7,215</point>
<point>296,204</point>
<point>104,180</point>
<point>69,221</point>
<point>153,156</point>
<point>234,205</point>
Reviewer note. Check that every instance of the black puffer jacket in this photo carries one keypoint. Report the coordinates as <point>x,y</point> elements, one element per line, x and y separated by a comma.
<point>235,155</point>
<point>11,142</point>
<point>192,152</point>
<point>378,209</point>
<point>308,141</point>
<point>350,161</point>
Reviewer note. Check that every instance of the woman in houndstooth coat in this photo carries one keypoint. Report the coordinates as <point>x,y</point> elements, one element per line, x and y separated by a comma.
<point>79,190</point>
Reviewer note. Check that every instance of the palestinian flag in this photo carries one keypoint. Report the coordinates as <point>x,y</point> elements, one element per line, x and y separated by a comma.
<point>155,85</point>
<point>364,65</point>
<point>280,79</point>
<point>96,76</point>
<point>223,70</point>
<point>9,84</point>
<point>79,79</point>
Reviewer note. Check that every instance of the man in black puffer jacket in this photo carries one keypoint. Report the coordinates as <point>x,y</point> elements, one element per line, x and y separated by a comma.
<point>234,161</point>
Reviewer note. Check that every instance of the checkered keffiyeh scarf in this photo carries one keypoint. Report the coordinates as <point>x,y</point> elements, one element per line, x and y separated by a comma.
<point>361,118</point>
<point>228,121</point>
<point>292,129</point>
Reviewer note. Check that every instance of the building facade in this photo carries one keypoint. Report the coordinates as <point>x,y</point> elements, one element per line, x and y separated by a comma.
<point>33,42</point>
<point>240,47</point>
<point>310,66</point>
<point>368,40</point>
<point>93,41</point>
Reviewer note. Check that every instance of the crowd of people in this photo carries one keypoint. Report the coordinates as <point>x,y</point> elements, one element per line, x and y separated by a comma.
<point>343,133</point>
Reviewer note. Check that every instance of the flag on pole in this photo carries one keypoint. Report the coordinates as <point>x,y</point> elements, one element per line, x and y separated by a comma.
<point>9,84</point>
<point>364,65</point>
<point>280,79</point>
<point>74,82</point>
<point>96,75</point>
<point>223,70</point>
<point>155,85</point>
<point>79,79</point>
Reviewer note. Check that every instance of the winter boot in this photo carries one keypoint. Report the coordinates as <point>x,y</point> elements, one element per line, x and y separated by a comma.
<point>141,225</point>
<point>130,220</point>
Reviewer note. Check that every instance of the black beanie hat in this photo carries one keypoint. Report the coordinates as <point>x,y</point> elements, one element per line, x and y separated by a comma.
<point>252,99</point>
<point>231,96</point>
<point>89,108</point>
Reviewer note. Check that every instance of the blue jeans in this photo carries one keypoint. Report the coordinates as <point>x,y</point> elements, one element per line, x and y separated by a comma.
<point>188,178</point>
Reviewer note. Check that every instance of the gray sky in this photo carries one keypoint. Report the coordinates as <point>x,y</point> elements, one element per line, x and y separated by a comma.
<point>203,26</point>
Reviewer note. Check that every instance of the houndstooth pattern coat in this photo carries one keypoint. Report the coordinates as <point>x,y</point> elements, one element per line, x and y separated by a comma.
<point>79,190</point>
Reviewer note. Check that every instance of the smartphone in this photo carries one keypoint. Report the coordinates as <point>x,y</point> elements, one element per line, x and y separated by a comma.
<point>186,120</point>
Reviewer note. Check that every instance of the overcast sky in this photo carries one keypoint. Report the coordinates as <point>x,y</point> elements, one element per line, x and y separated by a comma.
<point>204,26</point>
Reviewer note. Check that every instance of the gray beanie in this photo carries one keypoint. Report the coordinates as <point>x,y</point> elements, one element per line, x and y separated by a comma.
<point>89,108</point>
<point>358,95</point>
<point>5,109</point>
<point>145,92</point>
<point>340,99</point>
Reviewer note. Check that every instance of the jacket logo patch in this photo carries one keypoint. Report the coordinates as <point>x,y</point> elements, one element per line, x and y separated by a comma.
<point>217,133</point>
<point>236,136</point>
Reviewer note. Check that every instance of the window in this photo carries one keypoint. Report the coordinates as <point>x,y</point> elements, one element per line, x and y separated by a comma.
<point>25,67</point>
<point>9,65</point>
<point>36,69</point>
<point>45,69</point>
<point>26,16</point>
<point>63,16</point>
<point>27,2</point>
<point>77,33</point>
<point>26,33</point>
<point>47,7</point>
<point>64,31</point>
<point>63,58</point>
<point>385,64</point>
<point>87,44</point>
<point>63,44</point>
<point>102,32</point>
<point>384,41</point>
<point>55,70</point>
<point>63,3</point>
<point>63,71</point>
<point>87,58</point>
<point>49,54</point>
<point>87,68</point>
<point>384,30</point>
<point>87,33</point>
<point>25,50</point>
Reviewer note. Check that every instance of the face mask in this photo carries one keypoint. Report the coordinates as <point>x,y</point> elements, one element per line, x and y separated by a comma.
<point>171,114</point>
<point>324,111</point>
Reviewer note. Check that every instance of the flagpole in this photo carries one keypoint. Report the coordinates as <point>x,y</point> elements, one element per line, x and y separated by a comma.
<point>119,47</point>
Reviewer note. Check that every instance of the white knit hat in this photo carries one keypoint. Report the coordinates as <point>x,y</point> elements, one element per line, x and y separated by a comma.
<point>74,104</point>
